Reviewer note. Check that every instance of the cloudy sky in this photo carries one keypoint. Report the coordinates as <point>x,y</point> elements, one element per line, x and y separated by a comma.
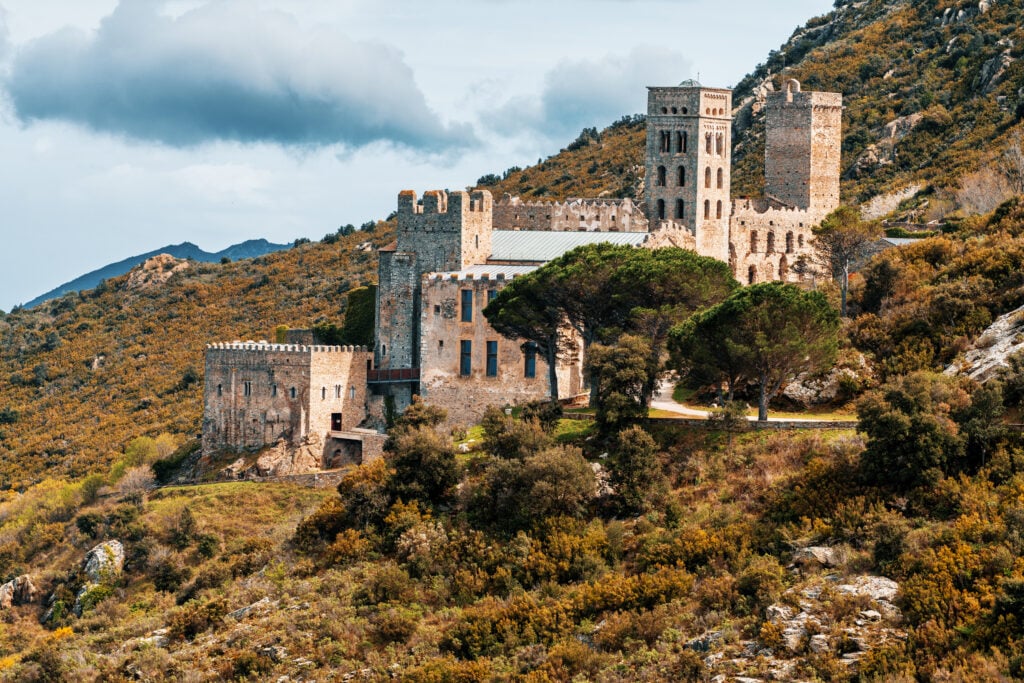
<point>126,125</point>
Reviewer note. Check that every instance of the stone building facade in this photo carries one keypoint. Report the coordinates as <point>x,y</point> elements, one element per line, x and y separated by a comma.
<point>588,215</point>
<point>258,394</point>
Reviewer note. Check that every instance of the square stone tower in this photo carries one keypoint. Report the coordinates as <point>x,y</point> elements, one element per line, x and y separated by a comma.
<point>446,232</point>
<point>803,144</point>
<point>689,157</point>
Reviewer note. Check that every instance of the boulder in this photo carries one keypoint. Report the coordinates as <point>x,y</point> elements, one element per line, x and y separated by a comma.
<point>19,591</point>
<point>875,587</point>
<point>823,556</point>
<point>104,561</point>
<point>819,644</point>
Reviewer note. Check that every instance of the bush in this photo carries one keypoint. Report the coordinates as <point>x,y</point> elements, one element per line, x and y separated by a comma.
<point>191,619</point>
<point>510,439</point>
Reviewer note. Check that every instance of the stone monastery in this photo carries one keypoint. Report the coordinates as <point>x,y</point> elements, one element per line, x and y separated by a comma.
<point>455,251</point>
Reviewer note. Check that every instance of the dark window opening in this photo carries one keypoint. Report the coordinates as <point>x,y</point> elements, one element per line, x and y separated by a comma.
<point>220,389</point>
<point>721,179</point>
<point>437,309</point>
<point>707,177</point>
<point>247,388</point>
<point>681,177</point>
<point>681,142</point>
<point>492,359</point>
<point>770,246</point>
<point>707,208</point>
<point>789,243</point>
<point>294,392</point>
<point>467,305</point>
<point>751,275</point>
<point>753,242</point>
<point>465,357</point>
<point>491,293</point>
<point>680,208</point>
<point>661,209</point>
<point>661,178</point>
<point>530,367</point>
<point>335,422</point>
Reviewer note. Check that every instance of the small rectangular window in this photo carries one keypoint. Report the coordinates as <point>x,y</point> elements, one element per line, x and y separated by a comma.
<point>491,293</point>
<point>294,393</point>
<point>465,358</point>
<point>220,389</point>
<point>467,305</point>
<point>352,393</point>
<point>337,391</point>
<point>437,309</point>
<point>492,359</point>
<point>530,370</point>
<point>273,390</point>
<point>247,388</point>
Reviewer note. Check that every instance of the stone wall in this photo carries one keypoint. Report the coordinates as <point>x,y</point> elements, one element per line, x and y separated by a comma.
<point>767,238</point>
<point>465,397</point>
<point>590,215</point>
<point>257,394</point>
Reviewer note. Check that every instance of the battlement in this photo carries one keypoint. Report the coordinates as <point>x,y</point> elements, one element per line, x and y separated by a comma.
<point>267,347</point>
<point>470,276</point>
<point>437,202</point>
<point>601,202</point>
<point>763,206</point>
<point>792,95</point>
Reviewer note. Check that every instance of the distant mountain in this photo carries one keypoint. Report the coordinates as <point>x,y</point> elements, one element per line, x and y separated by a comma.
<point>186,250</point>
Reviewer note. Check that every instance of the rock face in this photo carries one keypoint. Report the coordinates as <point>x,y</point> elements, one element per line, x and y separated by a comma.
<point>823,556</point>
<point>993,348</point>
<point>19,591</point>
<point>154,272</point>
<point>104,561</point>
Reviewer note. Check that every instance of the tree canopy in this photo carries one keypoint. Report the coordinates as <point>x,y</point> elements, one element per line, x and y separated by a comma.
<point>765,334</point>
<point>841,240</point>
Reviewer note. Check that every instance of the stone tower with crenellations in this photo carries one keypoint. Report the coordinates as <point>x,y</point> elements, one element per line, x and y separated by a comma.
<point>803,144</point>
<point>689,157</point>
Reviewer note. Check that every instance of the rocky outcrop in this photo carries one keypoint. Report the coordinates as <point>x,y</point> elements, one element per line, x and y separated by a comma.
<point>279,460</point>
<point>19,591</point>
<point>820,556</point>
<point>104,562</point>
<point>992,350</point>
<point>884,204</point>
<point>993,72</point>
<point>154,272</point>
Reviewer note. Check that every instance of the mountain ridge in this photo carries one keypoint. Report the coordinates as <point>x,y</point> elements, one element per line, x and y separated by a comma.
<point>186,250</point>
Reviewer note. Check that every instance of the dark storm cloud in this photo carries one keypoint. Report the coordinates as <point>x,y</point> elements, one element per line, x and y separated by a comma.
<point>578,94</point>
<point>225,71</point>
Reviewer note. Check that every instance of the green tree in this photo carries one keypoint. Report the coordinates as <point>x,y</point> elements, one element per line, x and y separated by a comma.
<point>424,466</point>
<point>840,241</point>
<point>511,439</point>
<point>636,473</point>
<point>913,438</point>
<point>618,374</point>
<point>357,330</point>
<point>765,334</point>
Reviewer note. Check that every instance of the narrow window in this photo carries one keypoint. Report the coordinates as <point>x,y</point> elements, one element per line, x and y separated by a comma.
<point>720,144</point>
<point>680,143</point>
<point>530,368</point>
<point>352,393</point>
<point>661,179</point>
<point>800,241</point>
<point>718,209</point>
<point>220,389</point>
<point>681,177</point>
<point>440,344</point>
<point>789,243</point>
<point>383,350</point>
<point>294,393</point>
<point>707,143</point>
<point>467,305</point>
<point>707,177</point>
<point>492,359</point>
<point>323,394</point>
<point>476,241</point>
<point>273,390</point>
<point>337,391</point>
<point>680,208</point>
<point>707,208</point>
<point>753,242</point>
<point>783,269</point>
<point>437,309</point>
<point>751,275</point>
<point>465,357</point>
<point>661,209</point>
<point>770,246</point>
<point>721,179</point>
<point>491,293</point>
<point>247,388</point>
<point>666,141</point>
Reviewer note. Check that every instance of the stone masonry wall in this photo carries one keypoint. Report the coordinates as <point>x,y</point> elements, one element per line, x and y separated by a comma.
<point>590,215</point>
<point>767,238</point>
<point>256,394</point>
<point>466,397</point>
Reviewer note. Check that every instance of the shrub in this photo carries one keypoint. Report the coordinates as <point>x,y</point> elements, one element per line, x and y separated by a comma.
<point>511,439</point>
<point>191,619</point>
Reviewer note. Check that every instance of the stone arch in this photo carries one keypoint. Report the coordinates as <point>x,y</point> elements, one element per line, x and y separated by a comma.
<point>681,142</point>
<point>753,241</point>
<point>718,209</point>
<point>720,144</point>
<point>789,242</point>
<point>707,177</point>
<point>721,178</point>
<point>680,208</point>
<point>770,246</point>
<point>681,176</point>
<point>661,176</point>
<point>661,209</point>
<point>751,275</point>
<point>707,143</point>
<point>707,208</point>
<point>783,268</point>
<point>800,241</point>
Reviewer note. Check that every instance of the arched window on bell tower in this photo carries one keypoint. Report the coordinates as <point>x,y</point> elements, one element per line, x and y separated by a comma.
<point>721,179</point>
<point>661,176</point>
<point>681,177</point>
<point>680,209</point>
<point>661,209</point>
<point>707,177</point>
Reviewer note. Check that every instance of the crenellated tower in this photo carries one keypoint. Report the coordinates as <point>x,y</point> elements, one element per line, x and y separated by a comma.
<point>689,157</point>
<point>803,145</point>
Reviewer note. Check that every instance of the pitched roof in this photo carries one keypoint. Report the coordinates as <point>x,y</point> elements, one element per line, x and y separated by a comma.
<point>540,247</point>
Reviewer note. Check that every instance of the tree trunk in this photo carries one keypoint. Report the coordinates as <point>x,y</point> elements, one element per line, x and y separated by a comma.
<point>762,399</point>
<point>844,287</point>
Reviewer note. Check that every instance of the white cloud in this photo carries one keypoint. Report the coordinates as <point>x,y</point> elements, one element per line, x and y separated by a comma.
<point>225,71</point>
<point>578,94</point>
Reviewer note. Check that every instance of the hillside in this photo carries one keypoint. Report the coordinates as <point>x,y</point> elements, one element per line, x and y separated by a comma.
<point>86,373</point>
<point>934,92</point>
<point>185,250</point>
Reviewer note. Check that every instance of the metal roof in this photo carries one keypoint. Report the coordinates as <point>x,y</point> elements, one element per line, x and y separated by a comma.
<point>540,246</point>
<point>901,241</point>
<point>492,271</point>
